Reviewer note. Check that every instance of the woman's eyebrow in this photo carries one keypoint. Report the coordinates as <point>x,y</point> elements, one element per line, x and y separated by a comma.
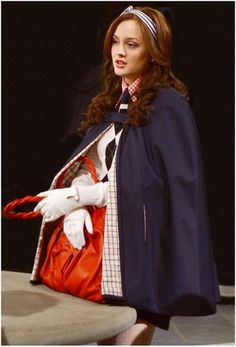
<point>126,38</point>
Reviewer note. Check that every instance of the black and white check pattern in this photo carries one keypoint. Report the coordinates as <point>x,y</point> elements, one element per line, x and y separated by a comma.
<point>111,273</point>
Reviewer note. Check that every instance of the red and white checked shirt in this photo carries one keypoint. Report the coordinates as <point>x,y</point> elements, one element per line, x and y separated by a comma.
<point>132,88</point>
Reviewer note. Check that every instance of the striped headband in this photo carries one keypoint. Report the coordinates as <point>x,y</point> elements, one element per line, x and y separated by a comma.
<point>146,19</point>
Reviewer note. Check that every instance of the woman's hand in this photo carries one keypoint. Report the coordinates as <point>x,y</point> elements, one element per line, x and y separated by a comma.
<point>57,203</point>
<point>74,224</point>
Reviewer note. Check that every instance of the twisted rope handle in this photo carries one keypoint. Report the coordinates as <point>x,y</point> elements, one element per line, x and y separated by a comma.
<point>9,209</point>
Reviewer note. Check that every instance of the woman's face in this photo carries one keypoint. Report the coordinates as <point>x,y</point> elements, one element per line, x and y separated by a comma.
<point>130,57</point>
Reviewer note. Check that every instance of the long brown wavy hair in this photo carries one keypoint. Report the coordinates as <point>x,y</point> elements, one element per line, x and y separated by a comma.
<point>158,75</point>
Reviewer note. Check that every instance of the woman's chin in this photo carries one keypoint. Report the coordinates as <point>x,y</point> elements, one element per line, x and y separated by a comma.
<point>119,73</point>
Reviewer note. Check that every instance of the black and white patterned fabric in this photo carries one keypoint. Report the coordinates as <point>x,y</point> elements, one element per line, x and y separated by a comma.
<point>111,271</point>
<point>111,147</point>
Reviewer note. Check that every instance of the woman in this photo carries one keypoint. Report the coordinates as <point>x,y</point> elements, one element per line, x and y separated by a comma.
<point>157,253</point>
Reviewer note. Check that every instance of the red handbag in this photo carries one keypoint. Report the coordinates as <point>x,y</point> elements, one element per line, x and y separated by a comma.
<point>66,269</point>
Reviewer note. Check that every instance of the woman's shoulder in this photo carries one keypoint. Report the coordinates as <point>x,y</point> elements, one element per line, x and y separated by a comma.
<point>169,96</point>
<point>170,106</point>
<point>170,116</point>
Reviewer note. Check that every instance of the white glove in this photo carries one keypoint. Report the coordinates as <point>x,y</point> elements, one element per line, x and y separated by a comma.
<point>74,224</point>
<point>58,202</point>
<point>95,194</point>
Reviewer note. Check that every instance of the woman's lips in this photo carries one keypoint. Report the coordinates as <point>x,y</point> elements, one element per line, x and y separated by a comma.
<point>120,64</point>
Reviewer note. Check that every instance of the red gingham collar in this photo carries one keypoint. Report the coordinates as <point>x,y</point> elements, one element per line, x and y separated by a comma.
<point>132,88</point>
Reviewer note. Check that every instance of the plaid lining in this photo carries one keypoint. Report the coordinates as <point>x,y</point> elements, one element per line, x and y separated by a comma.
<point>111,273</point>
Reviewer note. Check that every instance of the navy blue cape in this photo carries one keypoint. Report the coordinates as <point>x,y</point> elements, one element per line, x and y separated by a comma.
<point>167,259</point>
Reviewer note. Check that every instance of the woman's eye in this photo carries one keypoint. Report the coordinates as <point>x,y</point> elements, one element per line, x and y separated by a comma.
<point>114,41</point>
<point>132,44</point>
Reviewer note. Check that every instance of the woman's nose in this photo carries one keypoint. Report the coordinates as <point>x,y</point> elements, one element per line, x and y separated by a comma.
<point>121,50</point>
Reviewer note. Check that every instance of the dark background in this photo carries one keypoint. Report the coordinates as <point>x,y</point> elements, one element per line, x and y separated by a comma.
<point>51,52</point>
